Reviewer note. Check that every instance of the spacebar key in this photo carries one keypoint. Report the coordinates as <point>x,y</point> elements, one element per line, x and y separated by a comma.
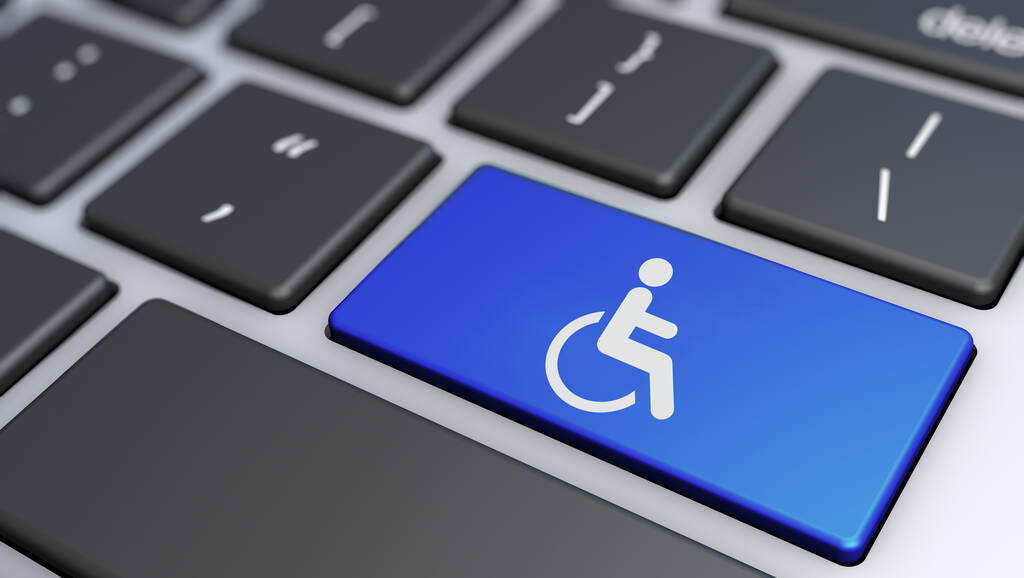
<point>783,400</point>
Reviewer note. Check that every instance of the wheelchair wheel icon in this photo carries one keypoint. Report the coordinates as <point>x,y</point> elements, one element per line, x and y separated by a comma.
<point>616,341</point>
<point>555,379</point>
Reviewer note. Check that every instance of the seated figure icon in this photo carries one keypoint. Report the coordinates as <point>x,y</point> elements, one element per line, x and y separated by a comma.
<point>616,342</point>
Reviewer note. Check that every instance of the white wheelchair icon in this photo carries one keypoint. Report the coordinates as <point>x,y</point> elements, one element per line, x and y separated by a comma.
<point>615,342</point>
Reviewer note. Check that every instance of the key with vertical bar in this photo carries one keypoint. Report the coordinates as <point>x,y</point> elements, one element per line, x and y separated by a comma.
<point>921,189</point>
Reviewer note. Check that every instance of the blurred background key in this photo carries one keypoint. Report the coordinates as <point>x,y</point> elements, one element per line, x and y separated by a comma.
<point>981,41</point>
<point>43,298</point>
<point>69,96</point>
<point>180,12</point>
<point>392,49</point>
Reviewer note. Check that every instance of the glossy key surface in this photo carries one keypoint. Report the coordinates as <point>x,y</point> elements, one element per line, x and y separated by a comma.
<point>791,403</point>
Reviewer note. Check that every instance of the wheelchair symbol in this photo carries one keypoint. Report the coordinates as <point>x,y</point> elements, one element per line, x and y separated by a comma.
<point>616,343</point>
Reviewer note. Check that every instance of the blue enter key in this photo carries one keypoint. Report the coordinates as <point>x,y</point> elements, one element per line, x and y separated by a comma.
<point>780,399</point>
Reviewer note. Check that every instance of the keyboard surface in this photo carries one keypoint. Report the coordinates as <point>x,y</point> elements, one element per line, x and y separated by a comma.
<point>956,514</point>
<point>345,485</point>
<point>734,346</point>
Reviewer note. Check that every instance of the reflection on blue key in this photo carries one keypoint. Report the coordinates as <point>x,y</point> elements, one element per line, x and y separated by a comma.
<point>780,399</point>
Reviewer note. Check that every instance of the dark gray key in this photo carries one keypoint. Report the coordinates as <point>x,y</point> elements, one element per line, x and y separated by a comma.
<point>393,49</point>
<point>180,12</point>
<point>43,298</point>
<point>632,99</point>
<point>262,196</point>
<point>918,188</point>
<point>982,42</point>
<point>68,97</point>
<point>178,448</point>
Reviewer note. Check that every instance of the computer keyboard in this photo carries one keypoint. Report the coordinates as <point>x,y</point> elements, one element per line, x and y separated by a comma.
<point>393,49</point>
<point>43,303</point>
<point>608,100</point>
<point>276,193</point>
<point>341,484</point>
<point>72,95</point>
<point>981,41</point>
<point>774,373</point>
<point>813,187</point>
<point>180,12</point>
<point>677,262</point>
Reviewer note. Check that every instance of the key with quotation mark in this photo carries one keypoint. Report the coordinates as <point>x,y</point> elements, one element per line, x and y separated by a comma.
<point>295,145</point>
<point>921,189</point>
<point>222,212</point>
<point>392,49</point>
<point>638,334</point>
<point>68,97</point>
<point>615,109</point>
<point>248,200</point>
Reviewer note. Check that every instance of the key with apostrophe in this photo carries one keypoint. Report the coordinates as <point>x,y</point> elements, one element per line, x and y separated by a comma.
<point>262,195</point>
<point>626,97</point>
<point>918,188</point>
<point>786,401</point>
<point>180,12</point>
<point>177,448</point>
<point>980,41</point>
<point>68,97</point>
<point>43,298</point>
<point>393,49</point>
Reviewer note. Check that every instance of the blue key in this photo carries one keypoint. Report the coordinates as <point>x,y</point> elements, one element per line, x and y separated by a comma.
<point>778,398</point>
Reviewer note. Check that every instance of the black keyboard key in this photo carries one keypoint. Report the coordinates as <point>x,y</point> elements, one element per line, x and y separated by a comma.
<point>68,97</point>
<point>262,196</point>
<point>180,12</point>
<point>178,448</point>
<point>393,49</point>
<point>43,298</point>
<point>632,99</point>
<point>918,188</point>
<point>981,41</point>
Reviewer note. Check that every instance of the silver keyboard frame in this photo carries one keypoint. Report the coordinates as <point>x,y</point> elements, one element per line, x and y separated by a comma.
<point>959,513</point>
